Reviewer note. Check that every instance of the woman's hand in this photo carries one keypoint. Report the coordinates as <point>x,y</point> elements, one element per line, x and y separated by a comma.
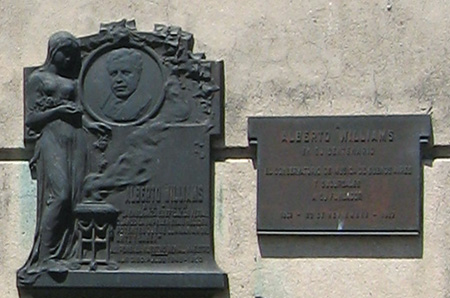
<point>97,127</point>
<point>36,120</point>
<point>100,128</point>
<point>68,109</point>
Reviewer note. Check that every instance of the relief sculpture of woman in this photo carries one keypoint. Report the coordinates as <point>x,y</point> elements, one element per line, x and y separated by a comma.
<point>54,116</point>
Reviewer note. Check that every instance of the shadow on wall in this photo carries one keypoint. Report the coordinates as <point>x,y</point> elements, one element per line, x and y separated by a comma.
<point>341,246</point>
<point>110,293</point>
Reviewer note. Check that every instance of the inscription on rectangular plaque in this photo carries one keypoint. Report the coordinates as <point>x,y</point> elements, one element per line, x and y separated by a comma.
<point>339,175</point>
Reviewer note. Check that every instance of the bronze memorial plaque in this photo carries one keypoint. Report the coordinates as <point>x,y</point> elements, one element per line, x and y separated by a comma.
<point>121,124</point>
<point>340,175</point>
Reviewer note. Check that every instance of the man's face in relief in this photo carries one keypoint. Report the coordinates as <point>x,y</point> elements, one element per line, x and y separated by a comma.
<point>124,68</point>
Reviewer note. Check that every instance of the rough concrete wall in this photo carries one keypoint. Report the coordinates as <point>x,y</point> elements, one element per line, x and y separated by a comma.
<point>310,57</point>
<point>282,57</point>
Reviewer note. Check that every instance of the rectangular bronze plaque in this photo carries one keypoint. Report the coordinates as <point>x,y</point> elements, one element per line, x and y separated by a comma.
<point>340,175</point>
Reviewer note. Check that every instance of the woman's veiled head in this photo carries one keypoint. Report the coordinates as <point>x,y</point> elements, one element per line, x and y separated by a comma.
<point>64,53</point>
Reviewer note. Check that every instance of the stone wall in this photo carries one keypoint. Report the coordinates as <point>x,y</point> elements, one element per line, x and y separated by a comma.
<point>310,57</point>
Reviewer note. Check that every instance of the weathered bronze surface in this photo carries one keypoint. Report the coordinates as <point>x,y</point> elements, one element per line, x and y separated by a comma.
<point>121,124</point>
<point>340,175</point>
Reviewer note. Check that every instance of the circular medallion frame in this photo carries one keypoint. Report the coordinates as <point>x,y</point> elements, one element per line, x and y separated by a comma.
<point>96,91</point>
